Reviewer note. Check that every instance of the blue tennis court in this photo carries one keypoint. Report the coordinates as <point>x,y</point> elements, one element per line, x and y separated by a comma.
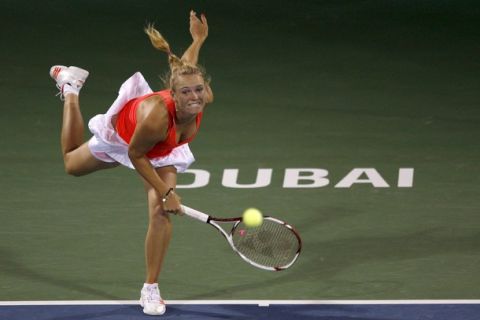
<point>205,310</point>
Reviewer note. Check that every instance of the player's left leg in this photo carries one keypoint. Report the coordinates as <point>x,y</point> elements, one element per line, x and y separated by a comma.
<point>156,243</point>
<point>77,158</point>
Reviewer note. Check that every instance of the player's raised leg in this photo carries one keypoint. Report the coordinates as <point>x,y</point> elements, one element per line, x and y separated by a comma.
<point>77,157</point>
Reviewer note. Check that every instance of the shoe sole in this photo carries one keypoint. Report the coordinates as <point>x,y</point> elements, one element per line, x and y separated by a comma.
<point>152,313</point>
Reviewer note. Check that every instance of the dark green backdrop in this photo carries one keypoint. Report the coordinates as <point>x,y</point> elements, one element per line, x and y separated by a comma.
<point>335,85</point>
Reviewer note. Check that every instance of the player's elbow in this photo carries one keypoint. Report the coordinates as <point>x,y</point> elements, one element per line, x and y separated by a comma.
<point>134,154</point>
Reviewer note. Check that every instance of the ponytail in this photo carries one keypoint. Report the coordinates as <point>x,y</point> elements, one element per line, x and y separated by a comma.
<point>178,67</point>
<point>159,43</point>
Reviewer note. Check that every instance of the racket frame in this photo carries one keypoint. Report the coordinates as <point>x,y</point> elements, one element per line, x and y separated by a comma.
<point>214,222</point>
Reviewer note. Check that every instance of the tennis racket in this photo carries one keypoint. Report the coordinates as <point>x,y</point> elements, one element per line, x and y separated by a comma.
<point>274,245</point>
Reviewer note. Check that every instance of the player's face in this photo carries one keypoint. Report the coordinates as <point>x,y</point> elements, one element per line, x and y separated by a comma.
<point>189,94</point>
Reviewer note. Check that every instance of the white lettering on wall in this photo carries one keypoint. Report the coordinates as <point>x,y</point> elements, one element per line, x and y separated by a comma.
<point>201,178</point>
<point>301,178</point>
<point>316,177</point>
<point>405,177</point>
<point>372,177</point>
<point>230,178</point>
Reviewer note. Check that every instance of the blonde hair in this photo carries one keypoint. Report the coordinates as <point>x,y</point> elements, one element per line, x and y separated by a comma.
<point>178,67</point>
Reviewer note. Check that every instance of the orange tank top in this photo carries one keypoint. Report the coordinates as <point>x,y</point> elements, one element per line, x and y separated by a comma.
<point>127,121</point>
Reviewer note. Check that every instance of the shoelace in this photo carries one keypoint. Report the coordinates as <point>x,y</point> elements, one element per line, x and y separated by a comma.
<point>153,295</point>
<point>60,93</point>
<point>60,88</point>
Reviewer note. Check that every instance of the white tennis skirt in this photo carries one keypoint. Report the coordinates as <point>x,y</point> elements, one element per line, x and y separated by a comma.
<point>107,146</point>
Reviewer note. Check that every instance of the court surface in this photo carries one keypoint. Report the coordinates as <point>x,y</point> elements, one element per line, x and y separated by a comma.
<point>365,310</point>
<point>355,121</point>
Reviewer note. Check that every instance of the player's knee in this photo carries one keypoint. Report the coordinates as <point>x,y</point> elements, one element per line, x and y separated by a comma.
<point>158,216</point>
<point>72,169</point>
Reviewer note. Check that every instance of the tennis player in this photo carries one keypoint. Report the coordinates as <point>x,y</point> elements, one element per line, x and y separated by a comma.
<point>146,131</point>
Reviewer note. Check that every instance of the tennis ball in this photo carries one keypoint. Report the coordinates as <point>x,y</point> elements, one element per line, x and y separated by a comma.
<point>252,217</point>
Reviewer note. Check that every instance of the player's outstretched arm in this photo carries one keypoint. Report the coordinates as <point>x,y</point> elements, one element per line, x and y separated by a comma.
<point>199,32</point>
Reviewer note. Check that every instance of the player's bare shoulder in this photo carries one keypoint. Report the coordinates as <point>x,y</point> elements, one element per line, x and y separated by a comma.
<point>152,118</point>
<point>153,111</point>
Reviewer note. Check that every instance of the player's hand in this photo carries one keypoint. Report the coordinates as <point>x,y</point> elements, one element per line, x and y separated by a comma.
<point>172,204</point>
<point>198,27</point>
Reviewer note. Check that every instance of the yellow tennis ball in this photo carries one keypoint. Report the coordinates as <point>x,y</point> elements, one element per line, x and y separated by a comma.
<point>252,217</point>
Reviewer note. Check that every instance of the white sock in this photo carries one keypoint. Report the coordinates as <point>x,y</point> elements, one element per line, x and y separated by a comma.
<point>68,89</point>
<point>149,285</point>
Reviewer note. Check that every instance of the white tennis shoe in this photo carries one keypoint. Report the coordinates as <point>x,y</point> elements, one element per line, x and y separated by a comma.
<point>151,301</point>
<point>69,79</point>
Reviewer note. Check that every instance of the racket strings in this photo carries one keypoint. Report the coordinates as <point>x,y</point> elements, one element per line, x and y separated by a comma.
<point>271,245</point>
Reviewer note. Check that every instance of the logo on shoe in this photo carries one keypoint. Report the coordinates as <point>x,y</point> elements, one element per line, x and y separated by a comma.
<point>56,71</point>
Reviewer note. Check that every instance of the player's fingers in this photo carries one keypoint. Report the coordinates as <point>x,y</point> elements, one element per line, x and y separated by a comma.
<point>193,16</point>
<point>179,212</point>
<point>175,207</point>
<point>204,20</point>
<point>171,210</point>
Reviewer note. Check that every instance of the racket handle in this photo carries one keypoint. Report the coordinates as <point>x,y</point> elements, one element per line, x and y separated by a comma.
<point>195,214</point>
